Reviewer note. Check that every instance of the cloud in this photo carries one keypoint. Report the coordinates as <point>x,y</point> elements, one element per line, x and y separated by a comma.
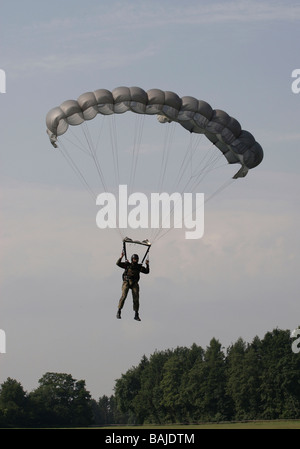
<point>126,15</point>
<point>110,37</point>
<point>83,61</point>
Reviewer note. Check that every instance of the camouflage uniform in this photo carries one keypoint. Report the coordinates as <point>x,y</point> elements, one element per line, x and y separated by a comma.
<point>131,277</point>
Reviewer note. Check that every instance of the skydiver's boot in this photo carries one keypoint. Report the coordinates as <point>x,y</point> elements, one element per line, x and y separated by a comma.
<point>137,317</point>
<point>119,314</point>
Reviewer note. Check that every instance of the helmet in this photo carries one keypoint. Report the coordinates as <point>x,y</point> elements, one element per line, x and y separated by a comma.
<point>134,256</point>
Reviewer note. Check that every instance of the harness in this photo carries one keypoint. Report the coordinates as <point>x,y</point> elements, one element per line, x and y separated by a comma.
<point>132,275</point>
<point>132,271</point>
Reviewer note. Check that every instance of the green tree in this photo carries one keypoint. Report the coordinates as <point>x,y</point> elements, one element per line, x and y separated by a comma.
<point>243,379</point>
<point>208,382</point>
<point>235,377</point>
<point>252,380</point>
<point>61,400</point>
<point>126,389</point>
<point>280,377</point>
<point>104,410</point>
<point>189,391</point>
<point>149,399</point>
<point>170,384</point>
<point>175,382</point>
<point>13,403</point>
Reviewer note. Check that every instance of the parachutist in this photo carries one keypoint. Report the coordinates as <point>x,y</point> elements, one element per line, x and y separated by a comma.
<point>131,277</point>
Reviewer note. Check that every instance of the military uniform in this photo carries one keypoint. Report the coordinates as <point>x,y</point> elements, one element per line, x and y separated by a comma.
<point>131,277</point>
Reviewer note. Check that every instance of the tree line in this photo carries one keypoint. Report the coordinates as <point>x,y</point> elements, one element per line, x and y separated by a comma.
<point>258,380</point>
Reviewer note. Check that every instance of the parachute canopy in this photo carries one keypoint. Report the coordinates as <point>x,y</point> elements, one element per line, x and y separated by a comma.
<point>196,116</point>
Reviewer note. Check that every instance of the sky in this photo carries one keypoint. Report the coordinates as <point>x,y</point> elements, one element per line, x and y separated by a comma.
<point>59,283</point>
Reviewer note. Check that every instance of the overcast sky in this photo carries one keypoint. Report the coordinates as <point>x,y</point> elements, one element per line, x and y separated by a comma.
<point>59,283</point>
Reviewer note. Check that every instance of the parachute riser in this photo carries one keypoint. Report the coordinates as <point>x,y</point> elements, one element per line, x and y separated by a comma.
<point>144,243</point>
<point>124,251</point>
<point>148,249</point>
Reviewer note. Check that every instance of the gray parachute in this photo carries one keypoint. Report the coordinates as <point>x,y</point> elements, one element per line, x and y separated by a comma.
<point>197,116</point>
